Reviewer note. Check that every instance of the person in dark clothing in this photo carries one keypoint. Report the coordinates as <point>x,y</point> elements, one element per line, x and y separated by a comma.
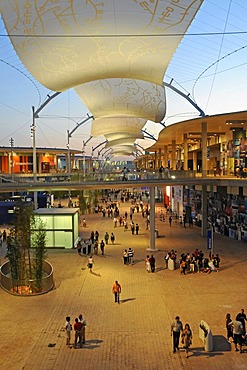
<point>102,246</point>
<point>137,229</point>
<point>176,329</point>
<point>152,263</point>
<point>241,316</point>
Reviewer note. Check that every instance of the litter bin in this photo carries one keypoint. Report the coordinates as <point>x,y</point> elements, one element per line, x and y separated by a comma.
<point>156,233</point>
<point>205,334</point>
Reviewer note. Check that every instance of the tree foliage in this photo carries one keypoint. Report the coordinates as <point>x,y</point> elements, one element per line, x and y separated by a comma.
<point>26,262</point>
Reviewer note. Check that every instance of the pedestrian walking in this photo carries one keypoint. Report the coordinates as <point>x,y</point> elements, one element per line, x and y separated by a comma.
<point>137,229</point>
<point>96,236</point>
<point>106,237</point>
<point>112,238</point>
<point>176,329</point>
<point>116,290</point>
<point>78,333</point>
<point>147,263</point>
<point>125,225</point>
<point>83,329</point>
<point>170,220</point>
<point>79,247</point>
<point>102,246</point>
<point>4,236</point>
<point>152,263</point>
<point>92,237</point>
<point>132,228</point>
<point>68,329</point>
<point>131,253</point>
<point>90,263</point>
<point>187,338</point>
<point>229,327</point>
<point>237,334</point>
<point>125,257</point>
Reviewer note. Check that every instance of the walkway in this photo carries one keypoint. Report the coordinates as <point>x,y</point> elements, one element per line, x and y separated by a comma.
<point>136,333</point>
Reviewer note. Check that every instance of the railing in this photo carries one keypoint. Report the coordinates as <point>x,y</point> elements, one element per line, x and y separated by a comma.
<point>103,176</point>
<point>26,287</point>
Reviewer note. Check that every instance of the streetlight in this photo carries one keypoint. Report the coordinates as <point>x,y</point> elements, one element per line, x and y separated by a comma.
<point>33,131</point>
<point>69,135</point>
<point>84,143</point>
<point>11,141</point>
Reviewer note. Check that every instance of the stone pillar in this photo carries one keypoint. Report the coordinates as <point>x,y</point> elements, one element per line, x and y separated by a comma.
<point>204,211</point>
<point>204,149</point>
<point>173,159</point>
<point>39,163</point>
<point>160,159</point>
<point>194,154</point>
<point>165,156</point>
<point>152,219</point>
<point>185,153</point>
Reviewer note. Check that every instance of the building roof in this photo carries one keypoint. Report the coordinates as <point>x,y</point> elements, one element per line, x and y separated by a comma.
<point>217,125</point>
<point>56,211</point>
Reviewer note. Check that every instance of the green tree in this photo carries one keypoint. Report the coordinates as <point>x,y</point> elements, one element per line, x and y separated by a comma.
<point>23,267</point>
<point>39,244</point>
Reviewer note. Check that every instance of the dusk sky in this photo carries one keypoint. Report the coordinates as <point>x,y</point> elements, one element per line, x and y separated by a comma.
<point>210,64</point>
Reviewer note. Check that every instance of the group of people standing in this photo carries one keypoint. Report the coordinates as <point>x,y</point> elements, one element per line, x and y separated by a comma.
<point>128,256</point>
<point>236,330</point>
<point>79,330</point>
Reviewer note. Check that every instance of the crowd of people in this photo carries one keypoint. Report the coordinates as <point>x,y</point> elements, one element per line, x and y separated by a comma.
<point>193,262</point>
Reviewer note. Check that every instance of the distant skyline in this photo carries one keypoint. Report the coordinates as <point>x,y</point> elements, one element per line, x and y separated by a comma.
<point>217,87</point>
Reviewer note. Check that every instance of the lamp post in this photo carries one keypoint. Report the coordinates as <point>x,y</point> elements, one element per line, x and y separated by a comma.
<point>69,135</point>
<point>35,114</point>
<point>11,141</point>
<point>84,143</point>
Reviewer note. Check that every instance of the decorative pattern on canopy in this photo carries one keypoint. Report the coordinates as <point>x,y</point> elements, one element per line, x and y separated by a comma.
<point>90,43</point>
<point>128,97</point>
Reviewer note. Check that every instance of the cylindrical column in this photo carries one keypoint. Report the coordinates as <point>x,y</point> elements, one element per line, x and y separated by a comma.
<point>194,154</point>
<point>165,156</point>
<point>152,219</point>
<point>185,152</point>
<point>173,159</point>
<point>204,149</point>
<point>160,160</point>
<point>204,211</point>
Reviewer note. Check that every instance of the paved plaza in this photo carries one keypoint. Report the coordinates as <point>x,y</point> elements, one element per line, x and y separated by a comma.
<point>136,333</point>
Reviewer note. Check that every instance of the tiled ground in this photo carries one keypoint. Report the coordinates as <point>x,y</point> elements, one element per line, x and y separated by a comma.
<point>136,333</point>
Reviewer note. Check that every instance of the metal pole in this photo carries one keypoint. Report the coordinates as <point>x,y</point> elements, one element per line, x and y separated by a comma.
<point>69,166</point>
<point>84,159</point>
<point>35,195</point>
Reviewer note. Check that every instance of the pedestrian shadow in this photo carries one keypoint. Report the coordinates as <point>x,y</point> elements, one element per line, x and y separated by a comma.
<point>95,273</point>
<point>199,351</point>
<point>92,344</point>
<point>138,261</point>
<point>221,343</point>
<point>158,269</point>
<point>226,266</point>
<point>127,299</point>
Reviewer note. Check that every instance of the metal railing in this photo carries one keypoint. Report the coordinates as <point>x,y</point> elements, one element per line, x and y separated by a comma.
<point>26,287</point>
